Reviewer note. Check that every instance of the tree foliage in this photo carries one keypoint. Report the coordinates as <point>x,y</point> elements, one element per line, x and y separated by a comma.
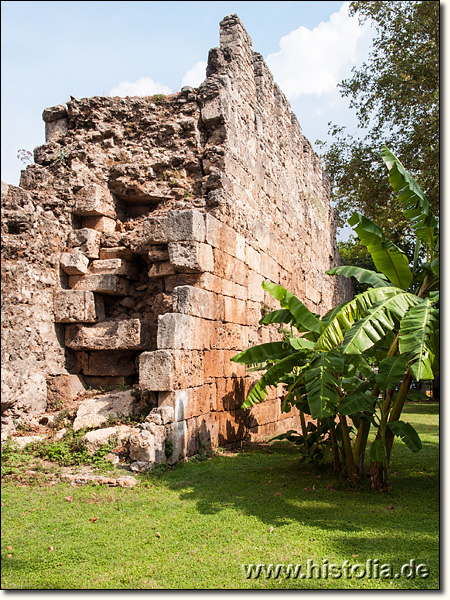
<point>396,98</point>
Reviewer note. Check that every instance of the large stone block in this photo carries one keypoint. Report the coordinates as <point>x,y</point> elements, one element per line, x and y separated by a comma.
<point>235,311</point>
<point>253,313</point>
<point>252,258</point>
<point>229,336</point>
<point>159,433</point>
<point>234,290</point>
<point>116,252</point>
<point>161,415</point>
<point>213,364</point>
<point>106,363</point>
<point>161,269</point>
<point>63,388</point>
<point>142,447</point>
<point>210,282</point>
<point>78,306</point>
<point>224,237</point>
<point>180,331</point>
<point>101,283</point>
<point>114,266</point>
<point>101,224</point>
<point>255,290</point>
<point>312,294</point>
<point>191,257</point>
<point>94,412</point>
<point>94,440</point>
<point>230,368</point>
<point>132,334</point>
<point>86,240</point>
<point>177,433</point>
<point>269,268</point>
<point>74,263</point>
<point>56,129</point>
<point>230,268</point>
<point>166,370</point>
<point>176,226</point>
<point>230,393</point>
<point>94,200</point>
<point>191,402</point>
<point>196,302</point>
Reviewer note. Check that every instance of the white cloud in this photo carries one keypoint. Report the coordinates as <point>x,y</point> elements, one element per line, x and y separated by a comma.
<point>315,61</point>
<point>145,86</point>
<point>195,76</point>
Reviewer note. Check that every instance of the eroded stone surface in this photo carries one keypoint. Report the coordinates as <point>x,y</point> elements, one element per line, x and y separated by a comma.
<point>94,440</point>
<point>94,412</point>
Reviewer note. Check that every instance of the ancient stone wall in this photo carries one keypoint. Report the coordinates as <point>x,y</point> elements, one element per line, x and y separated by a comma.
<point>136,245</point>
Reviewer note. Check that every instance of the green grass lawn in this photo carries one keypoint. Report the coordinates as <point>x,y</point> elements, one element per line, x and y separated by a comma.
<point>194,526</point>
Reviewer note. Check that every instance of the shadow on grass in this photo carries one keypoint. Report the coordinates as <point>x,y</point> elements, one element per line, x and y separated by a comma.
<point>268,482</point>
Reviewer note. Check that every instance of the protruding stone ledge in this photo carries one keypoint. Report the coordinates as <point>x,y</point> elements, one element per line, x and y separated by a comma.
<point>94,200</point>
<point>116,252</point>
<point>74,263</point>
<point>54,113</point>
<point>132,334</point>
<point>56,122</point>
<point>176,226</point>
<point>86,240</point>
<point>105,283</point>
<point>77,306</point>
<point>161,269</point>
<point>114,266</point>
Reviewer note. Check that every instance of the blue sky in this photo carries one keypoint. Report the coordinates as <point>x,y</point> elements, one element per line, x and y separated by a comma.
<point>51,50</point>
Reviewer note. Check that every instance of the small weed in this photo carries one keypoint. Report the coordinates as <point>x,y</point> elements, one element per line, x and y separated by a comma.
<point>286,332</point>
<point>168,448</point>
<point>188,194</point>
<point>265,309</point>
<point>70,450</point>
<point>205,452</point>
<point>24,427</point>
<point>171,176</point>
<point>60,420</point>
<point>122,158</point>
<point>61,157</point>
<point>158,98</point>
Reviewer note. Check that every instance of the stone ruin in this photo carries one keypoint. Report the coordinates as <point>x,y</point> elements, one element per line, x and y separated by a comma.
<point>135,247</point>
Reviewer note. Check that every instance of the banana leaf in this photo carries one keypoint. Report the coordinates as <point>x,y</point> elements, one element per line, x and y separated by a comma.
<point>387,257</point>
<point>362,275</point>
<point>419,331</point>
<point>417,209</point>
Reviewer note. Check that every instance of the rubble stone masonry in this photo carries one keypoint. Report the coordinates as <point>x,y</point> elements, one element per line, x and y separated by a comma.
<point>135,248</point>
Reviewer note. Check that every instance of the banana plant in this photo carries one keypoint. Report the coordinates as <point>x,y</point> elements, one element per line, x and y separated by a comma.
<point>358,361</point>
<point>328,386</point>
<point>410,309</point>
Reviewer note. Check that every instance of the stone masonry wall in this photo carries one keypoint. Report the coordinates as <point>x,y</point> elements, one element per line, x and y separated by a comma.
<point>136,245</point>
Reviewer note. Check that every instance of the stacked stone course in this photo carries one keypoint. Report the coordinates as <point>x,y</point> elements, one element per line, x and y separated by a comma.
<point>136,245</point>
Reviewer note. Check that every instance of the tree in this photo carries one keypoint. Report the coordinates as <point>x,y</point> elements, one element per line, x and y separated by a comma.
<point>396,98</point>
<point>359,360</point>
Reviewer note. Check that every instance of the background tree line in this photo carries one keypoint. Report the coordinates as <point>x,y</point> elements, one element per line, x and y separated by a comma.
<point>396,98</point>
